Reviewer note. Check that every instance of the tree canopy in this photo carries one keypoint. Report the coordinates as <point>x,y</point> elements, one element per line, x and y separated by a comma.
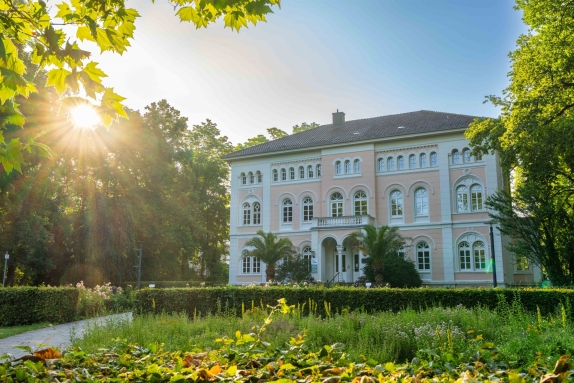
<point>274,134</point>
<point>54,37</point>
<point>270,250</point>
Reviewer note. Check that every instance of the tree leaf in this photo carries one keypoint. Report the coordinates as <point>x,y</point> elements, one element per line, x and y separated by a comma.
<point>95,74</point>
<point>57,77</point>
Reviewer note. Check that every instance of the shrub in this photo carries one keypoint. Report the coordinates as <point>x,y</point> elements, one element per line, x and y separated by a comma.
<point>27,305</point>
<point>294,270</point>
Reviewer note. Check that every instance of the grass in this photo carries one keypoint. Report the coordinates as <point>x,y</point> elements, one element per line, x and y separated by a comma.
<point>5,332</point>
<point>520,337</point>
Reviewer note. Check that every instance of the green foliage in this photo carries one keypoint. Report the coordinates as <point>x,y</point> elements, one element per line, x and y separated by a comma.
<point>201,301</point>
<point>270,250</point>
<point>274,134</point>
<point>58,49</point>
<point>296,269</point>
<point>399,272</point>
<point>304,126</point>
<point>27,305</point>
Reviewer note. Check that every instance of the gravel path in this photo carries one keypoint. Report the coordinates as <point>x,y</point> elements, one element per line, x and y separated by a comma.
<point>57,336</point>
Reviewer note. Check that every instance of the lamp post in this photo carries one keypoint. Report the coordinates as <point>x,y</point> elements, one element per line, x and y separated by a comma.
<point>492,259</point>
<point>6,257</point>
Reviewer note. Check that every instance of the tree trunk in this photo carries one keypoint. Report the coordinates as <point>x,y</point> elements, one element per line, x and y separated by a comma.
<point>270,273</point>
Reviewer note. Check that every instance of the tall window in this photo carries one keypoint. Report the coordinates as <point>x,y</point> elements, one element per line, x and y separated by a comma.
<point>243,179</point>
<point>455,157</point>
<point>390,163</point>
<point>357,166</point>
<point>256,265</point>
<point>336,204</point>
<point>251,178</point>
<point>246,265</point>
<point>421,202</point>
<point>256,213</point>
<point>283,175</point>
<point>396,204</point>
<point>479,255</point>
<point>347,167</point>
<point>423,160</point>
<point>338,168</point>
<point>381,164</point>
<point>522,263</point>
<point>412,161</point>
<point>464,256</point>
<point>433,159</point>
<point>462,198</point>
<point>466,155</point>
<point>246,214</point>
<point>360,199</point>
<point>476,197</point>
<point>287,206</point>
<point>400,163</point>
<point>259,177</point>
<point>275,175</point>
<point>310,171</point>
<point>307,209</point>
<point>318,171</point>
<point>307,255</point>
<point>423,256</point>
<point>291,173</point>
<point>301,172</point>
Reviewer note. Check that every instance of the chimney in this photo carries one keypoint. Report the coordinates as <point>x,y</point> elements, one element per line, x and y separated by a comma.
<point>338,118</point>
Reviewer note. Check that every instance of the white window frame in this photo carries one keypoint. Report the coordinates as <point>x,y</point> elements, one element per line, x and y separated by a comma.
<point>338,167</point>
<point>522,264</point>
<point>259,177</point>
<point>256,213</point>
<point>381,164</point>
<point>283,174</point>
<point>412,161</point>
<point>246,214</point>
<point>275,175</point>
<point>466,156</point>
<point>423,160</point>
<point>251,178</point>
<point>347,166</point>
<point>243,179</point>
<point>469,198</point>
<point>397,204</point>
<point>421,200</point>
<point>357,166</point>
<point>456,157</point>
<point>400,163</point>
<point>301,172</point>
<point>423,253</point>
<point>308,209</point>
<point>362,201</point>
<point>433,159</point>
<point>310,171</point>
<point>336,206</point>
<point>472,254</point>
<point>291,173</point>
<point>287,211</point>
<point>390,163</point>
<point>318,171</point>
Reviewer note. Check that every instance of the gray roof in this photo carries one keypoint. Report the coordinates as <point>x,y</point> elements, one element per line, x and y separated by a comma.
<point>423,121</point>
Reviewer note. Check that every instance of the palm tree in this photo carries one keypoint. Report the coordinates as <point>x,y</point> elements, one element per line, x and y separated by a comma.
<point>379,245</point>
<point>269,250</point>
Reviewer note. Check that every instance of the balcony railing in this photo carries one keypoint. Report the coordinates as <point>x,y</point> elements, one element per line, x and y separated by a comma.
<point>347,220</point>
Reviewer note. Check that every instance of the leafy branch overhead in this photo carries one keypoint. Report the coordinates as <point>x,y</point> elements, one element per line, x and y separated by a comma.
<point>53,36</point>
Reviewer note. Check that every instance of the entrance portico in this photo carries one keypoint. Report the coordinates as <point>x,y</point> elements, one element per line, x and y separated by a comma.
<point>340,260</point>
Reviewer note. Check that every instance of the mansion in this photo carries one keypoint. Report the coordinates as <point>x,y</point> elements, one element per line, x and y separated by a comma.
<point>413,171</point>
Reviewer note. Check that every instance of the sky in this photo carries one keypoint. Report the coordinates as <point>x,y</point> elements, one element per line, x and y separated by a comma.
<point>367,58</point>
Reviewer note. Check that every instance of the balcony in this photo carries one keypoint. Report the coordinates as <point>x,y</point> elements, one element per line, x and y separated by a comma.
<point>344,221</point>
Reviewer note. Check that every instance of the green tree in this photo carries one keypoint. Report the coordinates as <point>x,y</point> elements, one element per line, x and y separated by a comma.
<point>260,139</point>
<point>296,269</point>
<point>55,41</point>
<point>380,246</point>
<point>304,126</point>
<point>270,250</point>
<point>276,133</point>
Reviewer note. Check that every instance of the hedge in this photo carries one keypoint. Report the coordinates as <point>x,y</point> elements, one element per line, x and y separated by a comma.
<point>27,305</point>
<point>166,284</point>
<point>201,301</point>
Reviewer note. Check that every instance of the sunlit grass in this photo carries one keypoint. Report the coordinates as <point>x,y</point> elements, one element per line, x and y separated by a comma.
<point>5,332</point>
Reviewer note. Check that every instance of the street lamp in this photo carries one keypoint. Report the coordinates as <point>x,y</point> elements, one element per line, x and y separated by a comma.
<point>6,257</point>
<point>492,259</point>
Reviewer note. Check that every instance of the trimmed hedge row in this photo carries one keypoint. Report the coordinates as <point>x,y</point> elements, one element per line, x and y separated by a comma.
<point>202,301</point>
<point>27,305</point>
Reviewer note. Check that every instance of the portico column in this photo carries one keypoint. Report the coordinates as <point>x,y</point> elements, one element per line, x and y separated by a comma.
<point>340,261</point>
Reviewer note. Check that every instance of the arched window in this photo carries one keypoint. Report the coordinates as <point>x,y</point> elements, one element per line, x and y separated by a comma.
<point>310,171</point>
<point>246,213</point>
<point>250,265</point>
<point>479,255</point>
<point>433,159</point>
<point>307,209</point>
<point>466,155</point>
<point>251,178</point>
<point>275,175</point>
<point>462,199</point>
<point>390,163</point>
<point>412,161</point>
<point>421,202</point>
<point>307,255</point>
<point>357,166</point>
<point>476,197</point>
<point>455,157</point>
<point>243,179</point>
<point>347,167</point>
<point>396,204</point>
<point>400,163</point>
<point>338,168</point>
<point>336,204</point>
<point>318,171</point>
<point>423,256</point>
<point>464,256</point>
<point>259,177</point>
<point>423,160</point>
<point>256,213</point>
<point>283,175</point>
<point>287,210</point>
<point>360,199</point>
<point>381,164</point>
<point>291,173</point>
<point>301,172</point>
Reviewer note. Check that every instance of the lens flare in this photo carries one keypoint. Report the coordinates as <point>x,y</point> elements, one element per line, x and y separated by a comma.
<point>84,117</point>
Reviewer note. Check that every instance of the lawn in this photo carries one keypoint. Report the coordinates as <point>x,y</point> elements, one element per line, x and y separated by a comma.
<point>5,332</point>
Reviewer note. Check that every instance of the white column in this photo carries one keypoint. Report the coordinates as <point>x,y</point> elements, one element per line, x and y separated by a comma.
<point>340,261</point>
